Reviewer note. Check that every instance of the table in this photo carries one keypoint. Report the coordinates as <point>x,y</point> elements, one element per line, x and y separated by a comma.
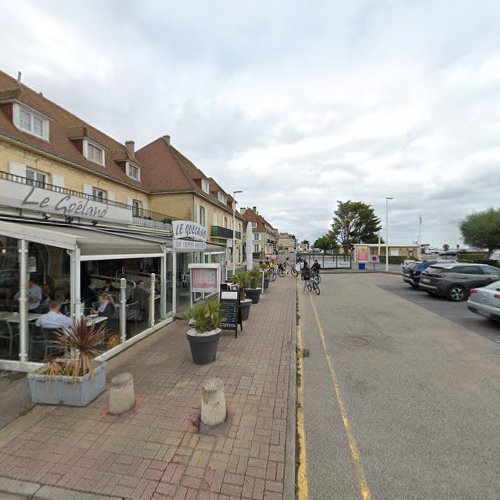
<point>95,320</point>
<point>15,317</point>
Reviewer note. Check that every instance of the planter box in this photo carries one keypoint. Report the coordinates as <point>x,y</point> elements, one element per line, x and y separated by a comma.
<point>62,390</point>
<point>253,294</point>
<point>203,346</point>
<point>245,309</point>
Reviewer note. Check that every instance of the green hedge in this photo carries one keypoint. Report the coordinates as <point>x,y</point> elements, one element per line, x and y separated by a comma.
<point>478,261</point>
<point>395,259</point>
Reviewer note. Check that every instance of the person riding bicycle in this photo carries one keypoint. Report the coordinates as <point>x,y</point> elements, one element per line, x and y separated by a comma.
<point>316,267</point>
<point>307,276</point>
<point>286,264</point>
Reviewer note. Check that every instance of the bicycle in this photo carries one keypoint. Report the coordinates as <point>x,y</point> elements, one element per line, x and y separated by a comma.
<point>312,285</point>
<point>283,271</point>
<point>273,272</point>
<point>317,276</point>
<point>294,272</point>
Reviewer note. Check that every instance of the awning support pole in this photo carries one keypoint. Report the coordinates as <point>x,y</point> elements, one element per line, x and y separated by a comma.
<point>152,300</point>
<point>23,260</point>
<point>174,284</point>
<point>123,309</point>
<point>76,305</point>
<point>163,287</point>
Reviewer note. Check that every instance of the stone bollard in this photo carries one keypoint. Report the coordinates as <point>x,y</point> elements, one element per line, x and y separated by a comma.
<point>121,395</point>
<point>213,402</point>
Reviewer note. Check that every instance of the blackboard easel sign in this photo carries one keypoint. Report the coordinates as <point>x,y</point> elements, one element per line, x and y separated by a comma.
<point>230,308</point>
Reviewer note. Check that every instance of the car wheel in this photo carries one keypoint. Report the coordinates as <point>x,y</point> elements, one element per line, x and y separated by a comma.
<point>457,293</point>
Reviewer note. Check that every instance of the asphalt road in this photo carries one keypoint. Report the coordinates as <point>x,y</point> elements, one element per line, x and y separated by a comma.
<point>411,406</point>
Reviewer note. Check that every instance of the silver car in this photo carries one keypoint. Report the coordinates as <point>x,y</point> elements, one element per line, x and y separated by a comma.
<point>486,301</point>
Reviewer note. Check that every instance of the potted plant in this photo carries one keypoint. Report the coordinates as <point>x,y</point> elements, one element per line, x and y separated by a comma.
<point>204,336</point>
<point>254,290</point>
<point>242,279</point>
<point>264,268</point>
<point>74,378</point>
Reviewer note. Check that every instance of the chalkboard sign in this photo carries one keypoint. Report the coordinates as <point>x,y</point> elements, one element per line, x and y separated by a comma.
<point>230,308</point>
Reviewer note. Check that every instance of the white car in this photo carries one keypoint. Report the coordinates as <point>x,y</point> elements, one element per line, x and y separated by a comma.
<point>485,301</point>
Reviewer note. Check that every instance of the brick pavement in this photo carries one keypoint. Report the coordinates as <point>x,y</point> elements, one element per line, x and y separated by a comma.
<point>156,450</point>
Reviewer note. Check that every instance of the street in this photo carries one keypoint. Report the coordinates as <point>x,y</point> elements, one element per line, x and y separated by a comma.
<point>401,395</point>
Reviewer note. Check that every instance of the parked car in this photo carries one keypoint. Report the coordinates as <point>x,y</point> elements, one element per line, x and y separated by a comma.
<point>485,301</point>
<point>454,281</point>
<point>412,272</point>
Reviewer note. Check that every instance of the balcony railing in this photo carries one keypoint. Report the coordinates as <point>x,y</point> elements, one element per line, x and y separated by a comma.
<point>223,232</point>
<point>140,216</point>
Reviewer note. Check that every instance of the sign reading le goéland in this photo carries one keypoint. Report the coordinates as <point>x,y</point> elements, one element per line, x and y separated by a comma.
<point>188,229</point>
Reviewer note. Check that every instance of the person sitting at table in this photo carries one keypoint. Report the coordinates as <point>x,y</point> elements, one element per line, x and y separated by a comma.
<point>106,306</point>
<point>54,319</point>
<point>89,295</point>
<point>34,296</point>
<point>141,296</point>
<point>108,287</point>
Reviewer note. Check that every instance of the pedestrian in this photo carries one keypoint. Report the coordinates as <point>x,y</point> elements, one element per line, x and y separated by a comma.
<point>307,276</point>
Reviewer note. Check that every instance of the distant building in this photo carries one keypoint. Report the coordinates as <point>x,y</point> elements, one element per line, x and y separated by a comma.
<point>407,251</point>
<point>265,236</point>
<point>286,243</point>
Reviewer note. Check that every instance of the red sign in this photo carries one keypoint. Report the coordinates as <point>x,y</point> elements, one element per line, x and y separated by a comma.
<point>204,279</point>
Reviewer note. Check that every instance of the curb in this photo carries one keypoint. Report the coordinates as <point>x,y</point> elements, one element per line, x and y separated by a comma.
<point>291,425</point>
<point>40,491</point>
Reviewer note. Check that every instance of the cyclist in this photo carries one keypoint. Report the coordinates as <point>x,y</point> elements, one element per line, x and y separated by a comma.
<point>316,267</point>
<point>306,276</point>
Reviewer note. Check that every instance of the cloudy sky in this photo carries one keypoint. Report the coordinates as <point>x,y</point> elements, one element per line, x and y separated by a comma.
<point>300,104</point>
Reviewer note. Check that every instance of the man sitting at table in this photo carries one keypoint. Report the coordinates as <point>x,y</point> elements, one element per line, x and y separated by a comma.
<point>54,319</point>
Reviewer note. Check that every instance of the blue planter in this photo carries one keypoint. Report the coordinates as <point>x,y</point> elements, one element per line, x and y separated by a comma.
<point>62,390</point>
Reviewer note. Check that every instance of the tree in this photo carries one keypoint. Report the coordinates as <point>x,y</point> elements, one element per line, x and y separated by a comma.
<point>305,242</point>
<point>482,229</point>
<point>354,222</point>
<point>446,247</point>
<point>325,243</point>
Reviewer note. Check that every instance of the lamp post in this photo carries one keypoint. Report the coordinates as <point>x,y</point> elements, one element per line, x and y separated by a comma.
<point>387,198</point>
<point>234,229</point>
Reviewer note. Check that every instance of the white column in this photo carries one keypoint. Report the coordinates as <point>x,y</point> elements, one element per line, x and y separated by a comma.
<point>23,323</point>
<point>123,309</point>
<point>77,309</point>
<point>152,300</point>
<point>163,286</point>
<point>174,283</point>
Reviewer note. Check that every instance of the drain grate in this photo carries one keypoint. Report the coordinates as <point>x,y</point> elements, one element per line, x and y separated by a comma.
<point>355,341</point>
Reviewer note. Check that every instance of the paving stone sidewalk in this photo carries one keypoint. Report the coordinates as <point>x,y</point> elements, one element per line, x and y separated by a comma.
<point>156,450</point>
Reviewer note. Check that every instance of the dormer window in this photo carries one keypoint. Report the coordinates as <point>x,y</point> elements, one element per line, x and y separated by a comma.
<point>222,198</point>
<point>205,185</point>
<point>30,121</point>
<point>93,152</point>
<point>133,171</point>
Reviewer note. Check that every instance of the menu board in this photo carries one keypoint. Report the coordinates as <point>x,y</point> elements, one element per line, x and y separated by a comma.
<point>230,308</point>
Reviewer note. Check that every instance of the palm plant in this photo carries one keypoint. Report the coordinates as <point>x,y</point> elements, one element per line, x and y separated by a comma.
<point>255,278</point>
<point>241,279</point>
<point>206,317</point>
<point>82,342</point>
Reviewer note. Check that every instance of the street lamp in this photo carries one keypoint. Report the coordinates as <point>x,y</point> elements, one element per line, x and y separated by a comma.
<point>234,229</point>
<point>387,198</point>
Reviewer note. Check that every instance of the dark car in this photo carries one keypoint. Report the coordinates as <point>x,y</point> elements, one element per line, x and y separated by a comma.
<point>454,281</point>
<point>412,272</point>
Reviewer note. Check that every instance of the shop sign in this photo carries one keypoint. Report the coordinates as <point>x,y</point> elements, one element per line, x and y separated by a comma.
<point>189,245</point>
<point>29,197</point>
<point>204,278</point>
<point>189,229</point>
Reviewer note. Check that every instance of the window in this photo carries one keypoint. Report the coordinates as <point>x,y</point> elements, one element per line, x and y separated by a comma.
<point>256,236</point>
<point>35,178</point>
<point>254,225</point>
<point>31,122</point>
<point>222,197</point>
<point>137,208</point>
<point>201,216</point>
<point>93,152</point>
<point>224,221</point>
<point>256,248</point>
<point>491,271</point>
<point>133,171</point>
<point>99,195</point>
<point>205,185</point>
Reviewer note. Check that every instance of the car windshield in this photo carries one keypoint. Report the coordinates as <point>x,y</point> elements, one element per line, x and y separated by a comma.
<point>494,286</point>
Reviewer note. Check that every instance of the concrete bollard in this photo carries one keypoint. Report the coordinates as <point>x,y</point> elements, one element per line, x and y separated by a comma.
<point>213,402</point>
<point>121,395</point>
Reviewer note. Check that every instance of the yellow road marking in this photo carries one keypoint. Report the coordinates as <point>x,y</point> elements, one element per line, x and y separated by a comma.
<point>302,487</point>
<point>356,461</point>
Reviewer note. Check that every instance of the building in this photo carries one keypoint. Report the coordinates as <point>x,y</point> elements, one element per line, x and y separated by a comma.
<point>286,243</point>
<point>265,236</point>
<point>185,192</point>
<point>80,211</point>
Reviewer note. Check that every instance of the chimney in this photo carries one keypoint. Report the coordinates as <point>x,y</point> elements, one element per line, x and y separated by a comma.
<point>254,209</point>
<point>19,75</point>
<point>130,145</point>
<point>166,138</point>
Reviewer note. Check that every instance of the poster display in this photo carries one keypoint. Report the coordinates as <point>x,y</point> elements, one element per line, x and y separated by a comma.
<point>362,253</point>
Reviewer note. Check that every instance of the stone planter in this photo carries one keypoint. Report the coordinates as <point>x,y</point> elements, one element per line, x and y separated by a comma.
<point>203,345</point>
<point>64,390</point>
<point>245,309</point>
<point>253,294</point>
<point>266,283</point>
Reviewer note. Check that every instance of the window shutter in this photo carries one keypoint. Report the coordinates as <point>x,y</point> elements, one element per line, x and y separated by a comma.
<point>111,195</point>
<point>58,180</point>
<point>17,168</point>
<point>87,189</point>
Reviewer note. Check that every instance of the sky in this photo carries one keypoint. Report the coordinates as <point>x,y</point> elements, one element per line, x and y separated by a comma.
<point>298,104</point>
